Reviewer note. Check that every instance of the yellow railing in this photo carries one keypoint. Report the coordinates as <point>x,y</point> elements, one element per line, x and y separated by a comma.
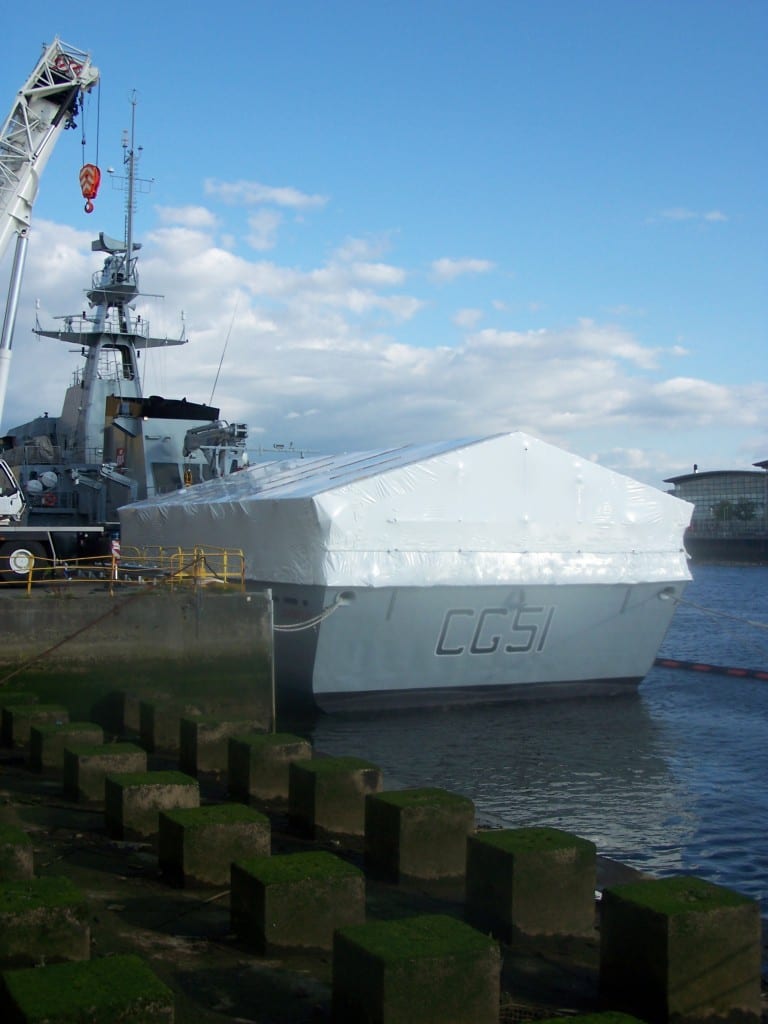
<point>135,567</point>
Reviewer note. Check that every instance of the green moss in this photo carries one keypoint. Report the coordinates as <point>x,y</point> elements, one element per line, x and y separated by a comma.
<point>11,835</point>
<point>55,728</point>
<point>169,778</point>
<point>16,897</point>
<point>215,814</point>
<point>422,798</point>
<point>332,765</point>
<point>681,895</point>
<point>103,749</point>
<point>29,710</point>
<point>429,935</point>
<point>84,684</point>
<point>85,990</point>
<point>295,867</point>
<point>532,840</point>
<point>10,697</point>
<point>271,739</point>
<point>214,721</point>
<point>609,1017</point>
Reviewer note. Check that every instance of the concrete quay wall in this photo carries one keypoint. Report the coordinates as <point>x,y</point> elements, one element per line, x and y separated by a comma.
<point>205,647</point>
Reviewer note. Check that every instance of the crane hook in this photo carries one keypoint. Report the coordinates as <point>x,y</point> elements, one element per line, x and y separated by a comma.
<point>90,178</point>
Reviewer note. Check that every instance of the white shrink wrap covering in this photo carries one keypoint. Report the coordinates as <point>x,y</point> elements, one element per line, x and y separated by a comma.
<point>500,510</point>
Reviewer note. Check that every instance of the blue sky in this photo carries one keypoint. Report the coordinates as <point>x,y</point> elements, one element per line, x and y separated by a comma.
<point>405,221</point>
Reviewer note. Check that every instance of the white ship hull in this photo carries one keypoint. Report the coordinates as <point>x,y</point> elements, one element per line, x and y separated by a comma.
<point>417,646</point>
<point>444,572</point>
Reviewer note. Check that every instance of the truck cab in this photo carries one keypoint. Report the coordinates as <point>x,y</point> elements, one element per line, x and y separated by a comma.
<point>13,504</point>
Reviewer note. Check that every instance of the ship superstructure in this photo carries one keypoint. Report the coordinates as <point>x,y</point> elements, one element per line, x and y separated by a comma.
<point>111,444</point>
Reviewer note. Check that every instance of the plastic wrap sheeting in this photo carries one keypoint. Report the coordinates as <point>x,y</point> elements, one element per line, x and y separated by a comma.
<point>506,509</point>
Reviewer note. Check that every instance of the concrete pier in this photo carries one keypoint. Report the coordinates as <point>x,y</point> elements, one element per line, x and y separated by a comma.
<point>327,794</point>
<point>133,801</point>
<point>419,834</point>
<point>681,951</point>
<point>43,920</point>
<point>427,968</point>
<point>216,974</point>
<point>196,845</point>
<point>119,988</point>
<point>295,901</point>
<point>531,882</point>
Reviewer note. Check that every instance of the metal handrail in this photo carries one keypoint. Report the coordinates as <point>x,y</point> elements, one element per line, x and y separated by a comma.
<point>133,567</point>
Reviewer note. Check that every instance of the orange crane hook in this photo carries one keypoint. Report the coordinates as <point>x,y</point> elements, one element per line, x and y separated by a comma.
<point>90,179</point>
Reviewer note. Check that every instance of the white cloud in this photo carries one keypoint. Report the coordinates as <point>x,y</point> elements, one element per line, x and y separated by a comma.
<point>262,229</point>
<point>364,249</point>
<point>186,216</point>
<point>467,319</point>
<point>446,269</point>
<point>252,193</point>
<point>321,356</point>
<point>682,213</point>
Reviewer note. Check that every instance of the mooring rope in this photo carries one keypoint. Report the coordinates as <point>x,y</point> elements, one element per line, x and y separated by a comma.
<point>297,627</point>
<point>703,667</point>
<point>715,613</point>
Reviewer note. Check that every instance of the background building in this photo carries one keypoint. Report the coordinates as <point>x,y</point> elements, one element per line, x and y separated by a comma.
<point>730,517</point>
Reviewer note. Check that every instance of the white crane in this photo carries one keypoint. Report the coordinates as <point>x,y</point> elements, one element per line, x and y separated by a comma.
<point>43,108</point>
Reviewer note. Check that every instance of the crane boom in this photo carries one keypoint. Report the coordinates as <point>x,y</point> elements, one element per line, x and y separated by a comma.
<point>43,108</point>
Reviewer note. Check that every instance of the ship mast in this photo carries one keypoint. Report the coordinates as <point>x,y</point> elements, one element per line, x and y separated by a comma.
<point>129,161</point>
<point>110,337</point>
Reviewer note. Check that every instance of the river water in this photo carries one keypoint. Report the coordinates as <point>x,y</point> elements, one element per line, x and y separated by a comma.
<point>671,780</point>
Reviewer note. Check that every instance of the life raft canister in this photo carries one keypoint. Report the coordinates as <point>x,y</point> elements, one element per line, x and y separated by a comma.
<point>90,179</point>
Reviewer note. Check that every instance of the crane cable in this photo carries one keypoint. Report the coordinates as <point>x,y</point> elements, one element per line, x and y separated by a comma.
<point>90,175</point>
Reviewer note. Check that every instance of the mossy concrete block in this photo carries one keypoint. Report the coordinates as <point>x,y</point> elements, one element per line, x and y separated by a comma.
<point>47,742</point>
<point>18,719</point>
<point>133,800</point>
<point>600,1017</point>
<point>43,920</point>
<point>197,845</point>
<point>531,882</point>
<point>112,990</point>
<point>86,767</point>
<point>424,970</point>
<point>294,901</point>
<point>327,795</point>
<point>9,697</point>
<point>204,741</point>
<point>259,765</point>
<point>118,712</point>
<point>160,724</point>
<point>418,834</point>
<point>680,950</point>
<point>17,860</point>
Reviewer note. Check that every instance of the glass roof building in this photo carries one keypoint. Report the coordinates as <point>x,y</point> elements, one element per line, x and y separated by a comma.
<point>730,517</point>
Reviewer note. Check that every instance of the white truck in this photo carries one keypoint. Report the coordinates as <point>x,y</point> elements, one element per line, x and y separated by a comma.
<point>22,545</point>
